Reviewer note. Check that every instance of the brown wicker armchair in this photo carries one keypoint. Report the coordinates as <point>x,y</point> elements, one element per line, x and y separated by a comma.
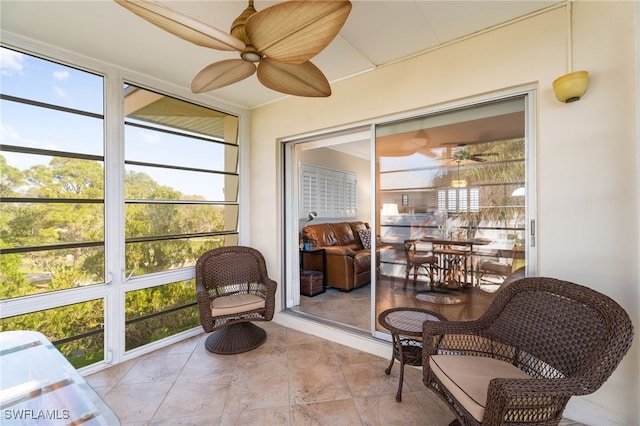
<point>540,342</point>
<point>233,289</point>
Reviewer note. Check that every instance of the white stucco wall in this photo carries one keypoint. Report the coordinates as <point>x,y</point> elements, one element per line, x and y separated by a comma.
<point>587,152</point>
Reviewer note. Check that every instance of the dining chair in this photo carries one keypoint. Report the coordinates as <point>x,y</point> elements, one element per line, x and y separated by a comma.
<point>499,268</point>
<point>417,261</point>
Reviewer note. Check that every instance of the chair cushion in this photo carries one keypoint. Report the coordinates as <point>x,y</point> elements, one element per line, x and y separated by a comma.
<point>497,267</point>
<point>424,258</point>
<point>467,378</point>
<point>227,305</point>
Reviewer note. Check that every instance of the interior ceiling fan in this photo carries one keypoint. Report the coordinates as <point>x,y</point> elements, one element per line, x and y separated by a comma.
<point>462,155</point>
<point>278,41</point>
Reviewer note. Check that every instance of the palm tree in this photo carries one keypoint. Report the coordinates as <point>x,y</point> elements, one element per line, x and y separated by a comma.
<point>496,169</point>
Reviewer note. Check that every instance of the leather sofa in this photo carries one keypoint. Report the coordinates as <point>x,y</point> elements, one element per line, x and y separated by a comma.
<point>348,262</point>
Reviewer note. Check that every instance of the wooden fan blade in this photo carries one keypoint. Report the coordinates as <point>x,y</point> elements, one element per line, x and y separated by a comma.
<point>295,31</point>
<point>293,79</point>
<point>181,25</point>
<point>220,74</point>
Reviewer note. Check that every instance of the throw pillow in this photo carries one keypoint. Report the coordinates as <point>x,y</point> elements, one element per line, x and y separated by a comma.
<point>365,237</point>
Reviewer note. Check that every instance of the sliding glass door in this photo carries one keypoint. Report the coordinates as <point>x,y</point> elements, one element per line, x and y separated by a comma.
<point>451,197</point>
<point>450,185</point>
<point>328,195</point>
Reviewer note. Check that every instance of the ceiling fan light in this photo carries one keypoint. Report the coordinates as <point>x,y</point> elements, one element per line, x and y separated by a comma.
<point>251,56</point>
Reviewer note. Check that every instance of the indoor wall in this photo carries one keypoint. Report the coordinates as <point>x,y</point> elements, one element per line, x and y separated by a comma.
<point>587,154</point>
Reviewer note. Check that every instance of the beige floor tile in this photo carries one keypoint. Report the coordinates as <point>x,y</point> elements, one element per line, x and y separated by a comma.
<point>295,337</point>
<point>369,379</point>
<point>437,410</point>
<point>264,354</point>
<point>203,363</point>
<point>412,377</point>
<point>109,377</point>
<point>383,410</point>
<point>276,334</point>
<point>264,388</point>
<point>334,413</point>
<point>347,355</point>
<point>194,397</point>
<point>275,416</point>
<point>317,384</point>
<point>156,368</point>
<point>310,354</point>
<point>202,420</point>
<point>137,402</point>
<point>293,379</point>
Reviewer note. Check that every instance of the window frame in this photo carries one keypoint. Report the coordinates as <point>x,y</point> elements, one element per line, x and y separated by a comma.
<point>116,284</point>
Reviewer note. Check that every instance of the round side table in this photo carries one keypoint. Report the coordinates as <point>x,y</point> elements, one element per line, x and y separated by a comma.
<point>405,325</point>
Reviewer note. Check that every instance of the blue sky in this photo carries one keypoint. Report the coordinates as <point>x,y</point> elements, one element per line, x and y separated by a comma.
<point>40,80</point>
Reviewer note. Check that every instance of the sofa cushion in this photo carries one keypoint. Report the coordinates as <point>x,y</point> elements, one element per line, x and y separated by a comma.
<point>467,378</point>
<point>365,237</point>
<point>362,261</point>
<point>320,235</point>
<point>344,234</point>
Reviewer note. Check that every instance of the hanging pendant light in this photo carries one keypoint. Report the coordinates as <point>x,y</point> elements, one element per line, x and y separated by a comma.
<point>459,183</point>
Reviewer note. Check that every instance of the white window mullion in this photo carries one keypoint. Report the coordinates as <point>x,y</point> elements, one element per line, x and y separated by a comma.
<point>114,217</point>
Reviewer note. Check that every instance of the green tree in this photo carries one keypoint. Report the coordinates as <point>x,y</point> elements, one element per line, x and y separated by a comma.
<point>42,224</point>
<point>11,179</point>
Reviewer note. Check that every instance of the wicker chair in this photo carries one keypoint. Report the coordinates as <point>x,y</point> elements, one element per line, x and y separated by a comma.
<point>233,289</point>
<point>501,269</point>
<point>540,342</point>
<point>417,260</point>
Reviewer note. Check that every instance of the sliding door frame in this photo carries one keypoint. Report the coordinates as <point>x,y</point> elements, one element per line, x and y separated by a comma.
<point>290,184</point>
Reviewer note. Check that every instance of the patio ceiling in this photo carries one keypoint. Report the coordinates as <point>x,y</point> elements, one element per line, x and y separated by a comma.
<point>376,33</point>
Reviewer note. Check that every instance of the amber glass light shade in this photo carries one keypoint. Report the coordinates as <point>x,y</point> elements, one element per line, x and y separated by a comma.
<point>570,87</point>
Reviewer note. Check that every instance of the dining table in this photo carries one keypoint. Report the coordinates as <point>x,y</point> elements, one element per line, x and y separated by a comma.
<point>455,258</point>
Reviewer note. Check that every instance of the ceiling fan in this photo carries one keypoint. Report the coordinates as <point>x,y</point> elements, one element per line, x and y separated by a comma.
<point>463,154</point>
<point>277,41</point>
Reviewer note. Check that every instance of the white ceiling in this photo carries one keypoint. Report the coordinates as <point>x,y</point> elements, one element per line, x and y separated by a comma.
<point>376,33</point>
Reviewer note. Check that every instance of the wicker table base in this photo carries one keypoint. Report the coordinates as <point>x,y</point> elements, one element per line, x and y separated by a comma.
<point>235,339</point>
<point>405,325</point>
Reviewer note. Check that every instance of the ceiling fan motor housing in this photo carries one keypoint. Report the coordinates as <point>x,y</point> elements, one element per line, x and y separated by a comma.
<point>238,30</point>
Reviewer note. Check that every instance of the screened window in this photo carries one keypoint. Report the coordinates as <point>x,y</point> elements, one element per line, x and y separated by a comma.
<point>52,177</point>
<point>181,181</point>
<point>63,241</point>
<point>77,330</point>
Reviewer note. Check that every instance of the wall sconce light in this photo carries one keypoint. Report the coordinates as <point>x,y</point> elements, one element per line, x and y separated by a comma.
<point>312,215</point>
<point>570,87</point>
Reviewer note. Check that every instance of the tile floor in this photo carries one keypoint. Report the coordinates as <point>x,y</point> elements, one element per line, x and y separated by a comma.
<point>292,379</point>
<point>353,308</point>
